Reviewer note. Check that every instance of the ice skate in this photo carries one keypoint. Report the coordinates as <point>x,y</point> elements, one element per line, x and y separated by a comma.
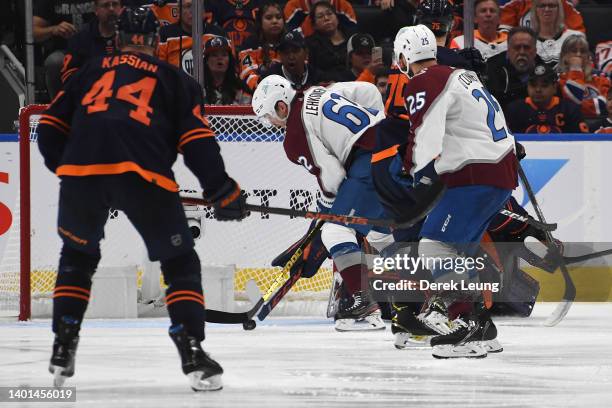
<point>359,314</point>
<point>470,339</point>
<point>436,317</point>
<point>203,372</point>
<point>64,350</point>
<point>408,331</point>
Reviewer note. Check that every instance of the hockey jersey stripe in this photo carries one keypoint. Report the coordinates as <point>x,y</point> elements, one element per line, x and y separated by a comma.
<point>117,168</point>
<point>193,132</point>
<point>383,154</point>
<point>53,124</point>
<point>56,121</point>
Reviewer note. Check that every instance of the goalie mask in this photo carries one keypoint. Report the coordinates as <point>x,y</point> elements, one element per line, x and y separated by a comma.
<point>413,44</point>
<point>270,91</point>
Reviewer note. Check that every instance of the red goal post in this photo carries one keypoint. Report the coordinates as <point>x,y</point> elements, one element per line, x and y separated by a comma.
<point>253,155</point>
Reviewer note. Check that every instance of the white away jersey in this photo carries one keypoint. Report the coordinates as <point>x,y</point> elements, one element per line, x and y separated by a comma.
<point>460,125</point>
<point>324,126</point>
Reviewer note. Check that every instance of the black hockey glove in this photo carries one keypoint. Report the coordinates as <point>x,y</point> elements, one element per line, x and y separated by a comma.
<point>229,202</point>
<point>520,151</point>
<point>474,58</point>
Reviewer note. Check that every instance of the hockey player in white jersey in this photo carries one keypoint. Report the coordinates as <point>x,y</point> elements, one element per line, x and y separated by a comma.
<point>330,132</point>
<point>458,135</point>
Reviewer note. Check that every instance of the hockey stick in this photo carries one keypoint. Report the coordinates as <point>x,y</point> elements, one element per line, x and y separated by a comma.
<point>570,289</point>
<point>417,212</point>
<point>542,226</point>
<point>284,280</point>
<point>586,257</point>
<point>313,215</point>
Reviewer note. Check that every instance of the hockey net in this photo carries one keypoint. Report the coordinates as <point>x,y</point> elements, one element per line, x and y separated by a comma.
<point>253,155</point>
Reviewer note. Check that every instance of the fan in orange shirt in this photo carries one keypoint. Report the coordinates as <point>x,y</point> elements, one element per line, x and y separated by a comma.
<point>578,81</point>
<point>518,13</point>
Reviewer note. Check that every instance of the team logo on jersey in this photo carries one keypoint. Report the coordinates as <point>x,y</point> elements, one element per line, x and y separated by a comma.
<point>187,61</point>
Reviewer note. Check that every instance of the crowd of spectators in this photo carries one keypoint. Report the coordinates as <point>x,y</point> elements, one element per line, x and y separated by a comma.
<point>533,55</point>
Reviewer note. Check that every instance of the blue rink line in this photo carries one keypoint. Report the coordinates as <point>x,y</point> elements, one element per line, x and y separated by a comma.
<point>8,137</point>
<point>160,322</point>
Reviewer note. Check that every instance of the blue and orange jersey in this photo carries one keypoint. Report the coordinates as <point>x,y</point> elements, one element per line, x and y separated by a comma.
<point>589,94</point>
<point>129,112</point>
<point>254,60</point>
<point>166,14</point>
<point>560,116</point>
<point>236,17</point>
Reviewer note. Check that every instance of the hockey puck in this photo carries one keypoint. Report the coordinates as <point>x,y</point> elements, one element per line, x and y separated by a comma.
<point>249,325</point>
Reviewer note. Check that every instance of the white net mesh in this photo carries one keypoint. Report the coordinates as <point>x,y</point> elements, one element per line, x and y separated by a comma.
<point>253,155</point>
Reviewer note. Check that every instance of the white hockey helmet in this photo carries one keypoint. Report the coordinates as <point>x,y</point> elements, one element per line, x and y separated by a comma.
<point>414,43</point>
<point>271,90</point>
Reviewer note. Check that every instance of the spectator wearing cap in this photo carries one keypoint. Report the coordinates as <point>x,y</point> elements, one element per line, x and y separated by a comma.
<point>507,73</point>
<point>542,111</point>
<point>297,13</point>
<point>176,42</point>
<point>221,82</point>
<point>487,38</point>
<point>327,45</point>
<point>361,65</point>
<point>293,55</point>
<point>259,51</point>
<point>96,38</point>
<point>579,82</point>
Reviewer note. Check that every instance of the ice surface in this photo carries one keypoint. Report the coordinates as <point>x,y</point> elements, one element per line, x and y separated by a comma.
<point>304,362</point>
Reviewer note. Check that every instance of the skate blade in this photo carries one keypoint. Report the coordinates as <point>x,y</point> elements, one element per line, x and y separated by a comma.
<point>436,322</point>
<point>407,341</point>
<point>492,346</point>
<point>467,350</point>
<point>58,378</point>
<point>369,323</point>
<point>212,383</point>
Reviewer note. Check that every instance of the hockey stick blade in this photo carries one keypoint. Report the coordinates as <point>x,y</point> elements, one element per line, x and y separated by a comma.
<point>218,316</point>
<point>542,226</point>
<point>413,217</point>
<point>559,313</point>
<point>570,289</point>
